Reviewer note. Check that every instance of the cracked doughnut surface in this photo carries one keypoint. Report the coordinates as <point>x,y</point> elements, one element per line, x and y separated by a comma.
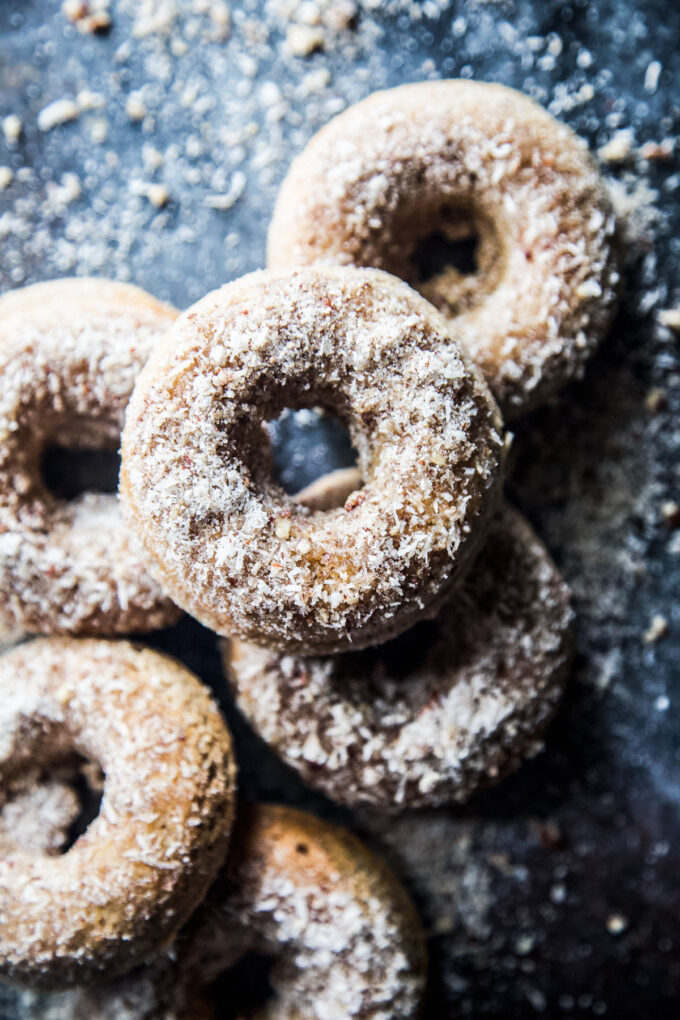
<point>146,861</point>
<point>442,162</point>
<point>70,351</point>
<point>345,939</point>
<point>226,543</point>
<point>442,711</point>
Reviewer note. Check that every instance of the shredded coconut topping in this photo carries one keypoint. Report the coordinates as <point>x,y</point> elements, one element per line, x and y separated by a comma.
<point>229,545</point>
<point>459,155</point>
<point>70,352</point>
<point>346,940</point>
<point>147,860</point>
<point>436,714</point>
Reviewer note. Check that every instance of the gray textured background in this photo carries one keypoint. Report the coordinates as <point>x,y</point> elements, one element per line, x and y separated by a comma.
<point>520,890</point>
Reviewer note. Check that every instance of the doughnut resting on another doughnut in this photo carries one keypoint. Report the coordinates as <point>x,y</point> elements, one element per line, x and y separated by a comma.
<point>227,543</point>
<point>399,179</point>
<point>438,713</point>
<point>345,940</point>
<point>146,861</point>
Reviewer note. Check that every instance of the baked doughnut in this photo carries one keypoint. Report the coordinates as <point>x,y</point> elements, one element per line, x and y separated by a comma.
<point>442,162</point>
<point>227,543</point>
<point>146,861</point>
<point>345,938</point>
<point>431,717</point>
<point>331,490</point>
<point>37,813</point>
<point>70,351</point>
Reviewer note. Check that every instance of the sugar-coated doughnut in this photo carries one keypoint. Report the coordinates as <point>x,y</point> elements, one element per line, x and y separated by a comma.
<point>144,864</point>
<point>70,351</point>
<point>37,813</point>
<point>346,941</point>
<point>456,159</point>
<point>226,543</point>
<point>431,717</point>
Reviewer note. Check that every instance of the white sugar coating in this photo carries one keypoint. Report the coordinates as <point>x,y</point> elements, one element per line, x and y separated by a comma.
<point>37,815</point>
<point>447,708</point>
<point>229,545</point>
<point>70,351</point>
<point>345,937</point>
<point>462,158</point>
<point>161,834</point>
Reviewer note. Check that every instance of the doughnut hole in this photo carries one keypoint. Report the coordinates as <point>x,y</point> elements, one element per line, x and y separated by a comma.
<point>304,441</point>
<point>70,472</point>
<point>305,445</point>
<point>46,810</point>
<point>246,986</point>
<point>451,253</point>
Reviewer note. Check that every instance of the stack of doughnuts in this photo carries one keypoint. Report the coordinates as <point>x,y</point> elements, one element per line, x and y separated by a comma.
<point>395,632</point>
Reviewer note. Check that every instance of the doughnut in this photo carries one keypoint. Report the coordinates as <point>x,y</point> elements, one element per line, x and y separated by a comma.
<point>228,544</point>
<point>37,814</point>
<point>345,938</point>
<point>445,162</point>
<point>436,714</point>
<point>331,490</point>
<point>70,351</point>
<point>145,863</point>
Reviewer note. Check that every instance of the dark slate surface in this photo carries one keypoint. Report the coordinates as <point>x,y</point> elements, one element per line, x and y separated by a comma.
<point>557,893</point>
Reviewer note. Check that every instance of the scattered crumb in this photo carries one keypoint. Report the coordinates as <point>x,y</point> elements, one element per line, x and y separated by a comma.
<point>303,40</point>
<point>671,514</point>
<point>12,127</point>
<point>558,893</point>
<point>59,112</point>
<point>652,76</point>
<point>229,198</point>
<point>88,17</point>
<point>524,944</point>
<point>670,317</point>
<point>87,100</point>
<point>6,177</point>
<point>618,148</point>
<point>158,195</point>
<point>616,924</point>
<point>658,627</point>
<point>135,107</point>
<point>658,152</point>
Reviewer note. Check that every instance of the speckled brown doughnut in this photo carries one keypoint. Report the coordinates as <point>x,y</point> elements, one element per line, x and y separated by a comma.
<point>146,861</point>
<point>463,159</point>
<point>448,708</point>
<point>70,351</point>
<point>345,937</point>
<point>226,543</point>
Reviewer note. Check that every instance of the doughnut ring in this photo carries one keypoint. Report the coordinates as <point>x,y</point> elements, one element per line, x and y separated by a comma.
<point>145,863</point>
<point>446,709</point>
<point>234,550</point>
<point>70,351</point>
<point>447,162</point>
<point>344,935</point>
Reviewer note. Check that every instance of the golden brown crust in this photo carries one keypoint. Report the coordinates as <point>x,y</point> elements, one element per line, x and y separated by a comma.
<point>459,158</point>
<point>70,351</point>
<point>146,861</point>
<point>439,713</point>
<point>230,546</point>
